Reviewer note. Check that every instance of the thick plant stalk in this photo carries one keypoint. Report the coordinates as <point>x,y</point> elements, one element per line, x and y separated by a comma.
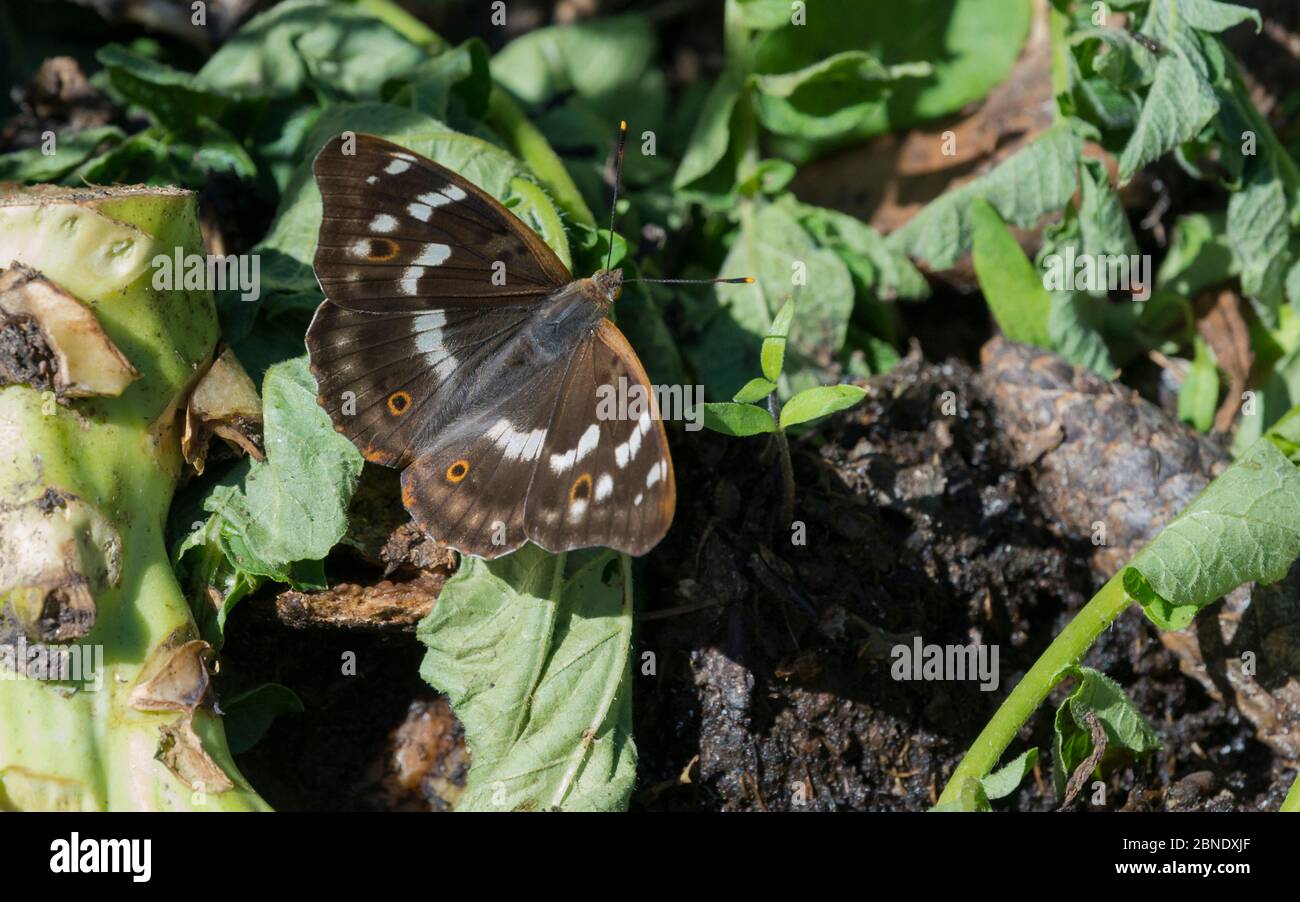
<point>86,483</point>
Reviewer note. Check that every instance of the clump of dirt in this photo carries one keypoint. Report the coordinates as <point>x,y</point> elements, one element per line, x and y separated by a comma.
<point>772,686</point>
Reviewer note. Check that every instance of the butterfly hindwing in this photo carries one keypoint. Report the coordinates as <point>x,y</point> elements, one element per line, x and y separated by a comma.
<point>469,486</point>
<point>603,480</point>
<point>401,233</point>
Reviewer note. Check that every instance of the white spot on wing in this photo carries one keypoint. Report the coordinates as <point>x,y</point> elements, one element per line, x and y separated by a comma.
<point>515,444</point>
<point>433,254</point>
<point>454,192</point>
<point>652,477</point>
<point>638,499</point>
<point>411,279</point>
<point>421,212</point>
<point>361,248</point>
<point>397,167</point>
<point>383,223</point>
<point>621,455</point>
<point>604,486</point>
<point>577,508</point>
<point>434,199</point>
<point>562,463</point>
<point>644,422</point>
<point>588,442</point>
<point>371,179</point>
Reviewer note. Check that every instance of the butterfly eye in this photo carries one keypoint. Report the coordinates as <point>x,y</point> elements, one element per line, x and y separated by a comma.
<point>398,403</point>
<point>456,472</point>
<point>581,488</point>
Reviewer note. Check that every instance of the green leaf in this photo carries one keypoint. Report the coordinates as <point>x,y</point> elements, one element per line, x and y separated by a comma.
<point>775,249</point>
<point>278,52</point>
<point>821,401</point>
<point>31,165</point>
<point>712,133</point>
<point>1210,15</point>
<point>1126,730</point>
<point>755,390</point>
<point>1103,224</point>
<point>737,419</point>
<point>764,15</point>
<point>249,715</point>
<point>1003,782</point>
<point>1076,326</point>
<point>1199,255</point>
<point>532,650</point>
<point>1179,104</point>
<point>881,267</point>
<point>174,98</point>
<point>1012,286</point>
<point>1198,398</point>
<point>972,45</point>
<point>772,355</point>
<point>1258,231</point>
<point>595,58</point>
<point>456,84</point>
<point>293,506</point>
<point>1244,527</point>
<point>1039,179</point>
<point>829,97</point>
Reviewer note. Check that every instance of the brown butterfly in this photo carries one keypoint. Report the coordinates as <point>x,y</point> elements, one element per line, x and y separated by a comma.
<point>454,345</point>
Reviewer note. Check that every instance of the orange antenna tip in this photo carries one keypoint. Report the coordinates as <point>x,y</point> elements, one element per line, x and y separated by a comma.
<point>622,125</point>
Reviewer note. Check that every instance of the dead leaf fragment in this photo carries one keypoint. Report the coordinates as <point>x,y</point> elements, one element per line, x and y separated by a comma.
<point>224,403</point>
<point>385,605</point>
<point>177,681</point>
<point>1224,329</point>
<point>181,751</point>
<point>85,362</point>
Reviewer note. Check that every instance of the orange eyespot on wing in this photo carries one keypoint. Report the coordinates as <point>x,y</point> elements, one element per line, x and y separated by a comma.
<point>399,402</point>
<point>457,471</point>
<point>581,488</point>
<point>382,249</point>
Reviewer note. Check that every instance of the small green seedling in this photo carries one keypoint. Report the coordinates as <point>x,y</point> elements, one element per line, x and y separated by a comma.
<point>743,415</point>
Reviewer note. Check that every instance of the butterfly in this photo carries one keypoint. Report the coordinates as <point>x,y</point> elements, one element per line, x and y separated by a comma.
<point>454,345</point>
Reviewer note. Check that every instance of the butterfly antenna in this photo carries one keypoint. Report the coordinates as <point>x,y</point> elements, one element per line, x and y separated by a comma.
<point>618,181</point>
<point>744,280</point>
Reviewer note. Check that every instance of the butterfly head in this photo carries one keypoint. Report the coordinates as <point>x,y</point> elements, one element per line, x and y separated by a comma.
<point>609,284</point>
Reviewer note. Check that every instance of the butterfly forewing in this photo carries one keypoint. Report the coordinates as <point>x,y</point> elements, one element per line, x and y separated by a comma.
<point>400,232</point>
<point>392,381</point>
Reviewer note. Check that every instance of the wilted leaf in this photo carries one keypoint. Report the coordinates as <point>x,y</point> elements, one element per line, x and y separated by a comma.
<point>1098,695</point>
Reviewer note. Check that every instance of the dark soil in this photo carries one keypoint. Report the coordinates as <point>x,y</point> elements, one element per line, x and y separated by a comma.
<point>771,687</point>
